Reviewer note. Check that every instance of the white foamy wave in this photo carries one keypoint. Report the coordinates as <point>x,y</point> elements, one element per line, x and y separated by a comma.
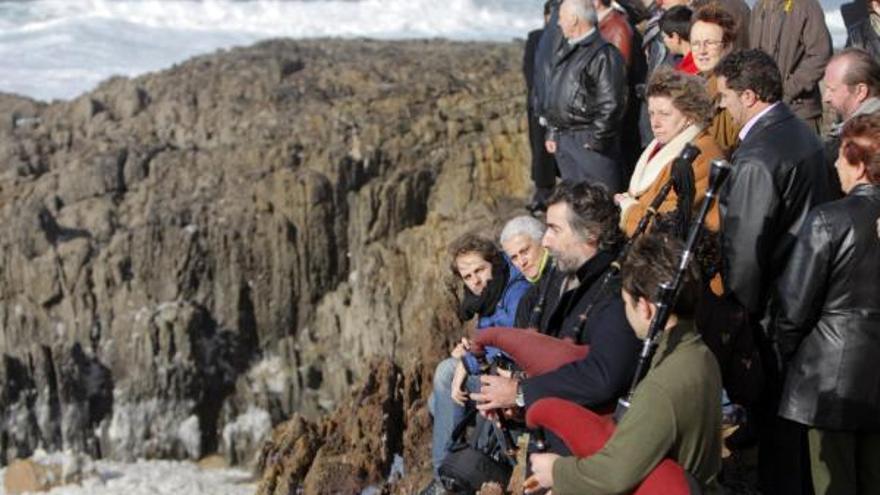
<point>59,49</point>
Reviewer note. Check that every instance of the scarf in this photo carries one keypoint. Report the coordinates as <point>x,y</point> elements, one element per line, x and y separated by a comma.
<point>541,266</point>
<point>871,105</point>
<point>487,301</point>
<point>649,166</point>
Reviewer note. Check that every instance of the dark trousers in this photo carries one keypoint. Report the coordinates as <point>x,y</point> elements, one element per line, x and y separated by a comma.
<point>845,462</point>
<point>783,452</point>
<point>544,170</point>
<point>577,163</point>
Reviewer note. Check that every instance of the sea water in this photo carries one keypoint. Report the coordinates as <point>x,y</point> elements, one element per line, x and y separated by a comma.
<point>58,49</point>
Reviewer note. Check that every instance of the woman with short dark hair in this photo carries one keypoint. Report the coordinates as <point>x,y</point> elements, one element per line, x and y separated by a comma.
<point>828,325</point>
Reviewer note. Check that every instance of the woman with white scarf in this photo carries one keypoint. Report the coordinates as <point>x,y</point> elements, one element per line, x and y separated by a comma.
<point>680,110</point>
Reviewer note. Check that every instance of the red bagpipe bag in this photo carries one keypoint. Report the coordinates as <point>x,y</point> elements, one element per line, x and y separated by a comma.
<point>583,431</point>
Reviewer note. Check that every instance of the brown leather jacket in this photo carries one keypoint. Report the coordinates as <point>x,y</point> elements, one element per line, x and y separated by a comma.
<point>616,30</point>
<point>794,33</point>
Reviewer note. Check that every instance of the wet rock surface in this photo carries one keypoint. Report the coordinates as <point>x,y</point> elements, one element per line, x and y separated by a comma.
<point>192,258</point>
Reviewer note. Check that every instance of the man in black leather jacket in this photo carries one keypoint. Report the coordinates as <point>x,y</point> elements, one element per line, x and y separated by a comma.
<point>585,100</point>
<point>829,323</point>
<point>779,174</point>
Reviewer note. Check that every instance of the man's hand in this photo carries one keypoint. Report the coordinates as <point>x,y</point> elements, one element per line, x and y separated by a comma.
<point>542,468</point>
<point>496,392</point>
<point>550,146</point>
<point>459,396</point>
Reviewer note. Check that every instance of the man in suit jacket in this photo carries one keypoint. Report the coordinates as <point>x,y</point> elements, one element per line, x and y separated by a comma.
<point>779,174</point>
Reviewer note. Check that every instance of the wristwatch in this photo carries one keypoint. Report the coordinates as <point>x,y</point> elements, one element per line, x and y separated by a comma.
<point>520,398</point>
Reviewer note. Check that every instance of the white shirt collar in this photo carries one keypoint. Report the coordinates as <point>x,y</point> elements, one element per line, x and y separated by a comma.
<point>752,121</point>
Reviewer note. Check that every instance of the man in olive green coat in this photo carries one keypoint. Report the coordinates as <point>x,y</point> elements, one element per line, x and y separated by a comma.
<point>676,409</point>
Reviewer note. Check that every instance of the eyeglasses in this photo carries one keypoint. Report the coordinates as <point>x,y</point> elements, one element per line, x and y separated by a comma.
<point>705,44</point>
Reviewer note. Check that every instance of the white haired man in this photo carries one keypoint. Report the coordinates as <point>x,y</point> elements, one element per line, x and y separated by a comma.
<point>586,100</point>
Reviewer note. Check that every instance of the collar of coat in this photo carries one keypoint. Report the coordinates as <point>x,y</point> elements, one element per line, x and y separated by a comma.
<point>779,113</point>
<point>871,105</point>
<point>865,190</point>
<point>682,334</point>
<point>647,170</point>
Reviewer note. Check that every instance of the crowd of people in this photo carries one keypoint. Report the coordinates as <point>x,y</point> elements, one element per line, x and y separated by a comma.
<point>775,331</point>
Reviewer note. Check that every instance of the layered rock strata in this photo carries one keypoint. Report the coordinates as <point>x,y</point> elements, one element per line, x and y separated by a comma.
<point>192,257</point>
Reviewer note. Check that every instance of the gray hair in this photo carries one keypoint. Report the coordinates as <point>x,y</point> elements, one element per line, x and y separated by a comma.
<point>584,10</point>
<point>523,225</point>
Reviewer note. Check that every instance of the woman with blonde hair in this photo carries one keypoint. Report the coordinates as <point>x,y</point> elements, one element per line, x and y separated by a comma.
<point>680,111</point>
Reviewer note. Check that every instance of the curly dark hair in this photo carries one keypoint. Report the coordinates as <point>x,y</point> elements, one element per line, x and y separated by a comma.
<point>860,140</point>
<point>593,215</point>
<point>688,93</point>
<point>754,70</point>
<point>472,242</point>
<point>652,260</point>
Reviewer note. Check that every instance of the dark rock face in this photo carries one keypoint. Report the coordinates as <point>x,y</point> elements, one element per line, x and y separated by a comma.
<point>191,257</point>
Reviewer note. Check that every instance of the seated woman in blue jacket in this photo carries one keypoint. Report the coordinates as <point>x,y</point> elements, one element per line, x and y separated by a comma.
<point>492,290</point>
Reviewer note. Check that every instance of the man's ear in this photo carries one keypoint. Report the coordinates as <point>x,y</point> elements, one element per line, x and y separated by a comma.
<point>862,171</point>
<point>645,309</point>
<point>862,91</point>
<point>749,98</point>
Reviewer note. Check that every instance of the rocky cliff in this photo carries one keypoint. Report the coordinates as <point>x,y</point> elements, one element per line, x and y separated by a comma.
<point>189,258</point>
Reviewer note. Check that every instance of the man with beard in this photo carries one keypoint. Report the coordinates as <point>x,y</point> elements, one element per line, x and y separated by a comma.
<point>582,236</point>
<point>852,87</point>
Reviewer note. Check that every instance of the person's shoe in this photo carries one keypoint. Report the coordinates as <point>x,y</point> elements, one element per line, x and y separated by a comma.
<point>433,488</point>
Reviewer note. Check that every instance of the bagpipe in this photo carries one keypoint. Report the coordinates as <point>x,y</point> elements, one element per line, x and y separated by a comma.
<point>583,431</point>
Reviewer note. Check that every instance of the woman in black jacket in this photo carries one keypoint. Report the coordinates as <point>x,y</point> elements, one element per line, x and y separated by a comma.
<point>829,323</point>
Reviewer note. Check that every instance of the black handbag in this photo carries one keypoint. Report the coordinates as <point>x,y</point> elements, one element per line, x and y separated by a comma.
<point>467,466</point>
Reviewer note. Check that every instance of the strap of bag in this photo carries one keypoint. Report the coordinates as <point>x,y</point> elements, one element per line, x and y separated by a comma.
<point>461,427</point>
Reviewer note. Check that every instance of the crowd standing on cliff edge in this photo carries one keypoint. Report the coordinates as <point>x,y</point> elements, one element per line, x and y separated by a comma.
<point>650,318</point>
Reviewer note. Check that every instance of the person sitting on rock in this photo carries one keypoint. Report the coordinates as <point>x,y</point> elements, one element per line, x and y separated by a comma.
<point>675,411</point>
<point>493,288</point>
<point>521,240</point>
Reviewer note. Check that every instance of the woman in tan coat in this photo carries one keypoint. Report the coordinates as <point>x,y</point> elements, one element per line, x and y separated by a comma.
<point>680,110</point>
<point>713,33</point>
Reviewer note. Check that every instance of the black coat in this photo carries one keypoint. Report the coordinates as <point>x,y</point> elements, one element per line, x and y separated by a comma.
<point>531,48</point>
<point>606,372</point>
<point>862,35</point>
<point>549,45</point>
<point>779,174</point>
<point>587,90</point>
<point>829,320</point>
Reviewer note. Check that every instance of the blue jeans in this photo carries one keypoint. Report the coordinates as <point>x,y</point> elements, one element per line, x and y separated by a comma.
<point>446,412</point>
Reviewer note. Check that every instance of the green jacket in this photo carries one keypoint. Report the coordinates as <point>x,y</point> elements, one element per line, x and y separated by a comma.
<point>675,412</point>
